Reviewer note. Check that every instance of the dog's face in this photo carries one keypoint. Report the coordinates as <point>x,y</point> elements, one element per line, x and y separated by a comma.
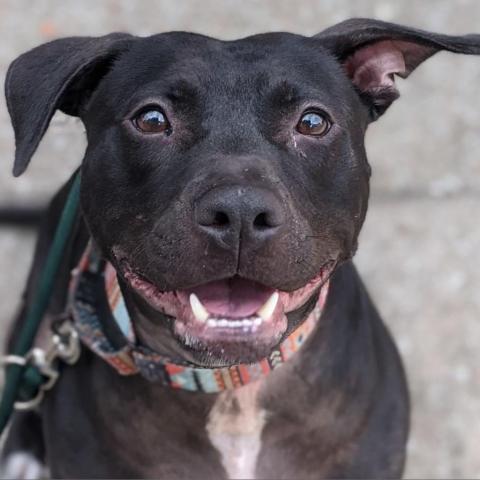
<point>231,179</point>
<point>226,180</point>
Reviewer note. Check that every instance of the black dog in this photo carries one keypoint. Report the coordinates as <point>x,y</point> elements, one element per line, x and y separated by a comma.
<point>226,183</point>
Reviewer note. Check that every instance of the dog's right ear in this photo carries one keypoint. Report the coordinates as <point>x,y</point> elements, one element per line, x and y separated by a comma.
<point>60,74</point>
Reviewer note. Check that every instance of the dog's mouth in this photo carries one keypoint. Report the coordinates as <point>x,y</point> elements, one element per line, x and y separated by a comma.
<point>233,314</point>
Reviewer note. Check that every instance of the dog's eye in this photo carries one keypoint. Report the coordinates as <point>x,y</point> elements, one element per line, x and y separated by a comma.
<point>313,123</point>
<point>152,121</point>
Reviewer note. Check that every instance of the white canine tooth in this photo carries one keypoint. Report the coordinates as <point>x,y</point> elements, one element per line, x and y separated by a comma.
<point>198,309</point>
<point>212,323</point>
<point>246,323</point>
<point>258,321</point>
<point>266,311</point>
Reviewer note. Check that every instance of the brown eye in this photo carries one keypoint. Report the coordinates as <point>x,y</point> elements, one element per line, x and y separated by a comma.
<point>152,121</point>
<point>313,123</point>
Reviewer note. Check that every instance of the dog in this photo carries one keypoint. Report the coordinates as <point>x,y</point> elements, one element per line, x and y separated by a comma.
<point>225,330</point>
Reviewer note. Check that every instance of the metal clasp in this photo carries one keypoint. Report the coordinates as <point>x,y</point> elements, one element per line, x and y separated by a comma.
<point>63,345</point>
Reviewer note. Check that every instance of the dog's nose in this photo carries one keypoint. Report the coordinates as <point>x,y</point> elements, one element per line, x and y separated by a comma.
<point>233,213</point>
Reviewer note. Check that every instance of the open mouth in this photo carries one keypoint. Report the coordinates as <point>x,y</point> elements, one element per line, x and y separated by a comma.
<point>229,311</point>
<point>232,308</point>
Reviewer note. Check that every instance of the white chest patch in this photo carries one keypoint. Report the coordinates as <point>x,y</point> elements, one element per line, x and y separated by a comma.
<point>234,427</point>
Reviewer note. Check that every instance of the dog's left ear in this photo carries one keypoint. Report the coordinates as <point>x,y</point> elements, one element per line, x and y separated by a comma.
<point>373,52</point>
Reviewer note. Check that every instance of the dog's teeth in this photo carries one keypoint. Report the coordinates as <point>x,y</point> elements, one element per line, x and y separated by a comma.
<point>198,309</point>
<point>266,311</point>
<point>246,324</point>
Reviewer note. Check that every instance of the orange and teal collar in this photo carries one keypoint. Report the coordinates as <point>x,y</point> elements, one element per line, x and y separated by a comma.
<point>95,297</point>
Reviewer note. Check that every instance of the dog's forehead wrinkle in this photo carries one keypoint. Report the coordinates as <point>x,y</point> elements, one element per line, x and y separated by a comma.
<point>200,56</point>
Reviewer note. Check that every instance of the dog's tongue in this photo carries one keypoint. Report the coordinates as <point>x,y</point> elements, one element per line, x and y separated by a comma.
<point>232,298</point>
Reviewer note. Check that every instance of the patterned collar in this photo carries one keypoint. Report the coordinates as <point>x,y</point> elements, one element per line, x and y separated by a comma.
<point>103,323</point>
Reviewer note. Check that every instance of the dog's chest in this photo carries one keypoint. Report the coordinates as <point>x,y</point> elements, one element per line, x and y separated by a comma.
<point>234,428</point>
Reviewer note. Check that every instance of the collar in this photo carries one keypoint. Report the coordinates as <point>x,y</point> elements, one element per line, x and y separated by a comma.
<point>96,299</point>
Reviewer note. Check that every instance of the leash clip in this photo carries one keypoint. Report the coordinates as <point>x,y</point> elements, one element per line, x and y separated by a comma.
<point>64,345</point>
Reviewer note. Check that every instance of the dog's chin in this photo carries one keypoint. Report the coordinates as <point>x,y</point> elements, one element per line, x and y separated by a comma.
<point>227,322</point>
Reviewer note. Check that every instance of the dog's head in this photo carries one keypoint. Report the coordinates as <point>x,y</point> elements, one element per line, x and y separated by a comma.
<point>223,180</point>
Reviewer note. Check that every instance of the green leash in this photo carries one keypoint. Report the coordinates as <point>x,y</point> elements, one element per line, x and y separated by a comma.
<point>21,379</point>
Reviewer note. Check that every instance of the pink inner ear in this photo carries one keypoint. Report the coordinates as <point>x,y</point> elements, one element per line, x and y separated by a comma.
<point>373,66</point>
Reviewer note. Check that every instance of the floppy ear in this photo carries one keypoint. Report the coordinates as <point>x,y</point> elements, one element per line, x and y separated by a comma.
<point>57,75</point>
<point>373,52</point>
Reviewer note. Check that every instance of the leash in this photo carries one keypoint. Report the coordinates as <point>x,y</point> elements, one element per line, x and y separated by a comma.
<point>30,372</point>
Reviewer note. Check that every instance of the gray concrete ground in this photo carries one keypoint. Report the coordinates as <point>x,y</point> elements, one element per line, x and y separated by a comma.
<point>419,248</point>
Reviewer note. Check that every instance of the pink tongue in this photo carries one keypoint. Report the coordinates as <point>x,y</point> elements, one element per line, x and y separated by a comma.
<point>232,298</point>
